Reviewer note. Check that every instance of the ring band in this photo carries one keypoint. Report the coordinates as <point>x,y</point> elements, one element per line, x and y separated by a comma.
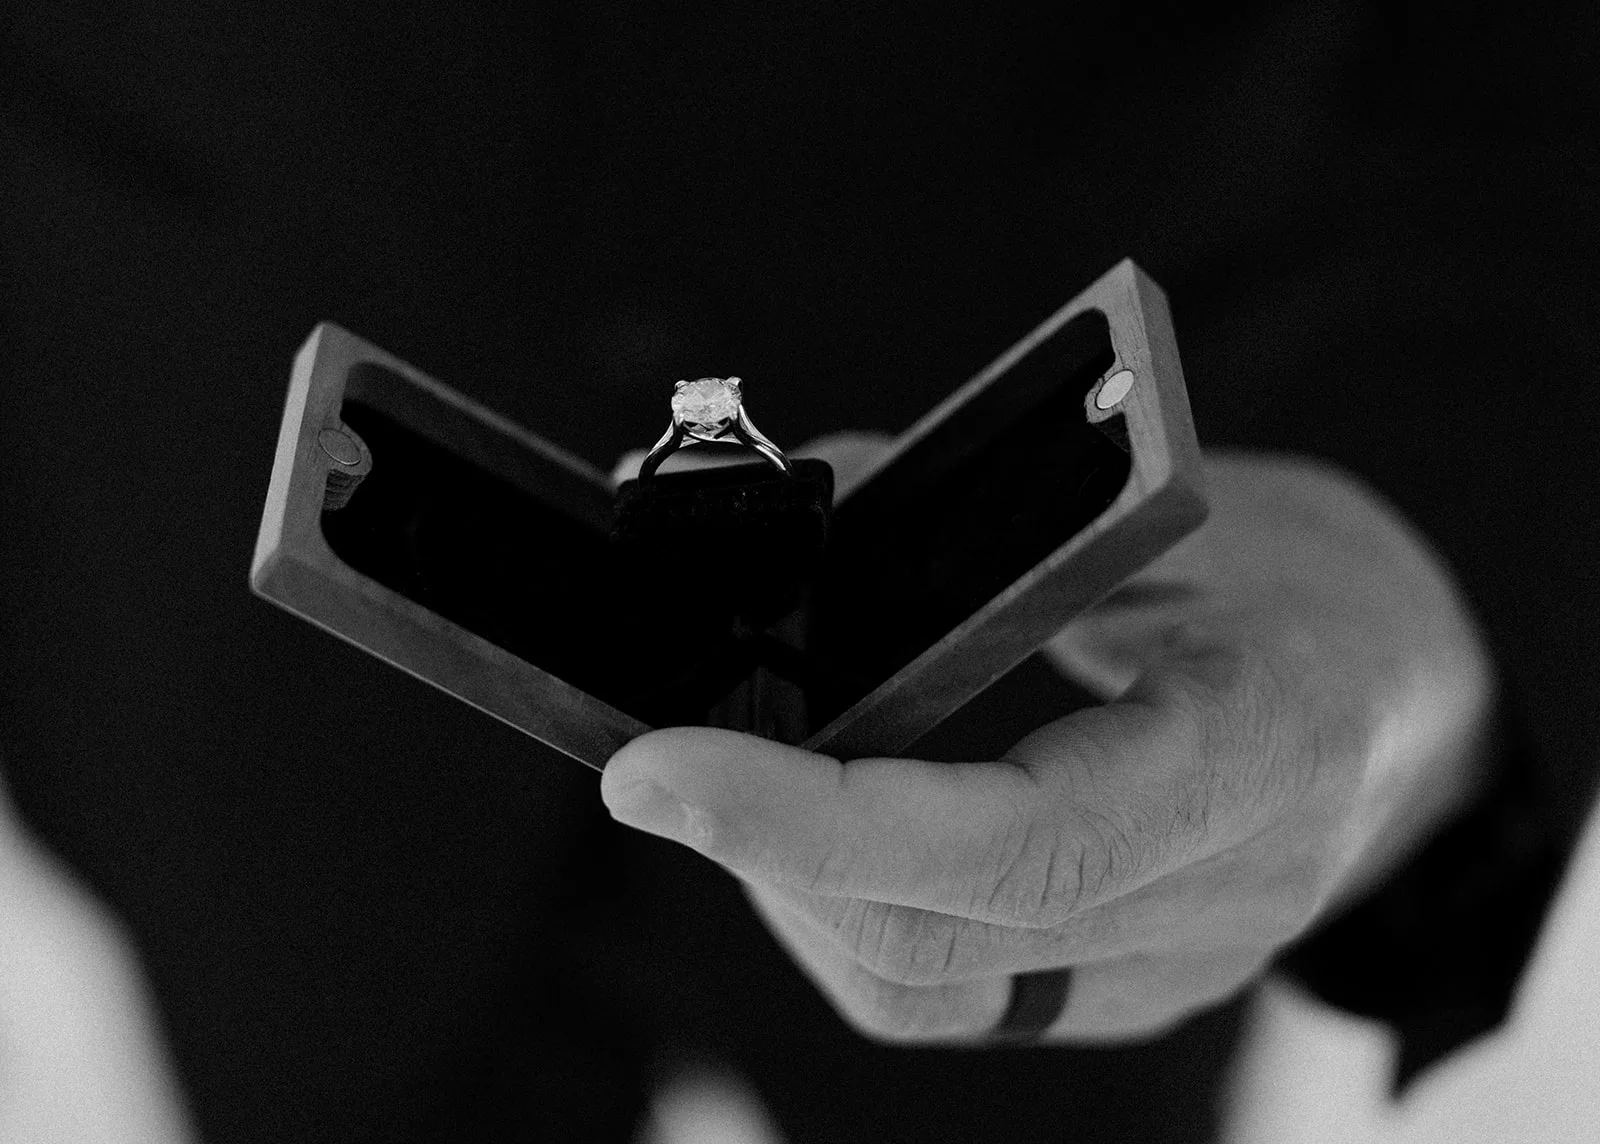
<point>1037,1001</point>
<point>710,409</point>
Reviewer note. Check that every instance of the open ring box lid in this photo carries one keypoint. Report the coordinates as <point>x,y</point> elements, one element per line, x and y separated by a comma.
<point>477,556</point>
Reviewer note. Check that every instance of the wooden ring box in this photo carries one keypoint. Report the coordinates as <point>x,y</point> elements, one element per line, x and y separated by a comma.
<point>479,557</point>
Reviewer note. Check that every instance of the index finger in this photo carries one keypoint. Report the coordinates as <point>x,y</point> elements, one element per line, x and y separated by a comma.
<point>1092,807</point>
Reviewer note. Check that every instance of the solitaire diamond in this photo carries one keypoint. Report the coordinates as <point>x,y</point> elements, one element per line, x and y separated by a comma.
<point>710,409</point>
<point>708,405</point>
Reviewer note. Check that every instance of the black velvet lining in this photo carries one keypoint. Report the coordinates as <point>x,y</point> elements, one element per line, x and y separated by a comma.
<point>969,508</point>
<point>706,576</point>
<point>661,620</point>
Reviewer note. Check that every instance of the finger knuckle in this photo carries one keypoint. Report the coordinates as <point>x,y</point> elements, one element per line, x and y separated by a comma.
<point>891,1013</point>
<point>899,1015</point>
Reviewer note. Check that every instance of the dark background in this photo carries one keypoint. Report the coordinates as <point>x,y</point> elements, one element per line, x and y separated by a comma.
<point>370,913</point>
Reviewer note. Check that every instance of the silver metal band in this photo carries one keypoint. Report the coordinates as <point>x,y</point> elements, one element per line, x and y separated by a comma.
<point>735,429</point>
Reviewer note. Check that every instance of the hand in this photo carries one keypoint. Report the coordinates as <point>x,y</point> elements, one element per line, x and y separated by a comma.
<point>1295,696</point>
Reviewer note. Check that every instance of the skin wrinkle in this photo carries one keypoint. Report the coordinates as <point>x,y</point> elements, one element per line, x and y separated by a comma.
<point>1251,738</point>
<point>861,920</point>
<point>882,928</point>
<point>1276,775</point>
<point>1307,794</point>
<point>1191,788</point>
<point>1047,886</point>
<point>1083,857</point>
<point>933,939</point>
<point>816,884</point>
<point>904,951</point>
<point>901,944</point>
<point>1332,752</point>
<point>1112,839</point>
<point>1019,859</point>
<point>853,931</point>
<point>1108,835</point>
<point>951,944</point>
<point>1085,790</point>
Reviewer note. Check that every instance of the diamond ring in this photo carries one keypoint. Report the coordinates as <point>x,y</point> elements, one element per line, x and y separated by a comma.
<point>712,410</point>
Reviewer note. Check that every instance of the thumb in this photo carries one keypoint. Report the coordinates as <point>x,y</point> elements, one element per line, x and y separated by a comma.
<point>903,830</point>
<point>676,782</point>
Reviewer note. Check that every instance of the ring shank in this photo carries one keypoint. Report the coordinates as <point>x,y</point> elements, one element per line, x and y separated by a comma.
<point>741,430</point>
<point>1037,1001</point>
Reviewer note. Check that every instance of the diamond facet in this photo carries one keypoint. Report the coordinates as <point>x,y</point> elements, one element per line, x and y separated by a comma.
<point>708,405</point>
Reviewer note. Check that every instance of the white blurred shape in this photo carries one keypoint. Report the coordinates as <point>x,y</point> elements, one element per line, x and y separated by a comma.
<point>81,1058</point>
<point>1311,1075</point>
<point>708,1107</point>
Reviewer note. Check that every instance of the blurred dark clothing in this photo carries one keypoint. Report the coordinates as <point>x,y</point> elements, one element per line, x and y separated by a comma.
<point>371,913</point>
